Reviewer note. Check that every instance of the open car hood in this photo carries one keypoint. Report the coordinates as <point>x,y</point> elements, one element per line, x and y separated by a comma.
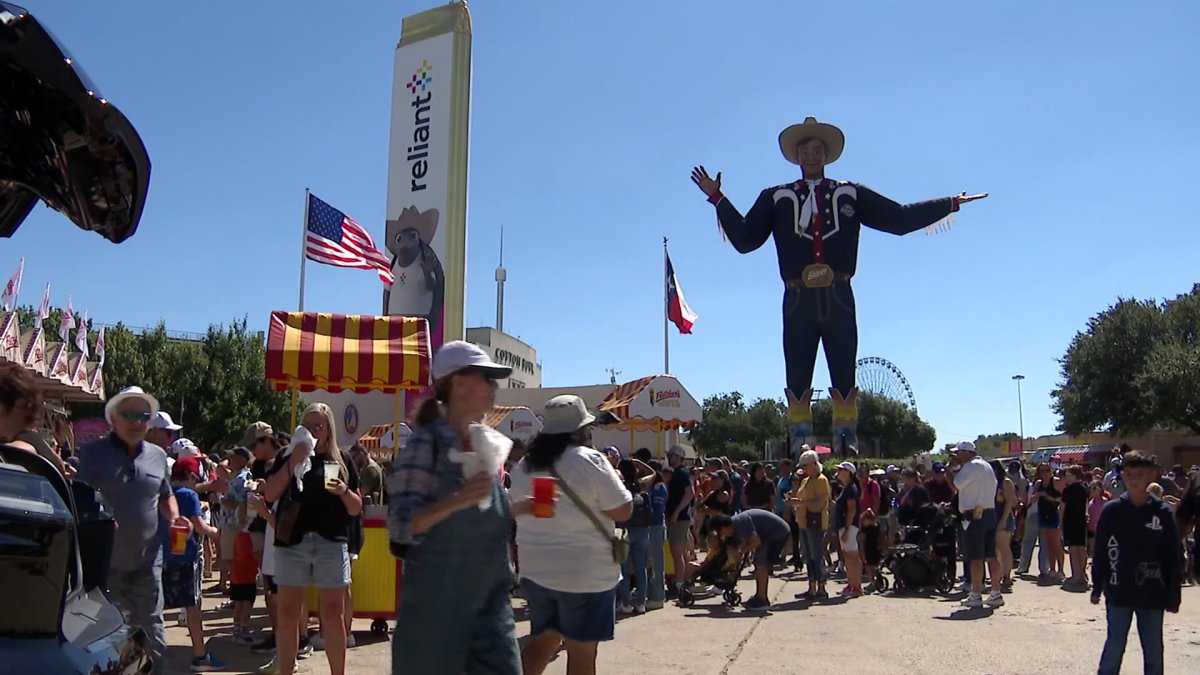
<point>60,140</point>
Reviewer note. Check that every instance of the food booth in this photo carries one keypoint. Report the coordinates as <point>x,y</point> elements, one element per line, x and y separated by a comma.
<point>308,351</point>
<point>382,440</point>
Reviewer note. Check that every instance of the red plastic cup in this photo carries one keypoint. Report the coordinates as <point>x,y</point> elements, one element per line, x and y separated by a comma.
<point>545,488</point>
<point>179,538</point>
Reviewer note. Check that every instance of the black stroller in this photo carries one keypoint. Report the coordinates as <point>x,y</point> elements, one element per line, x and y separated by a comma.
<point>919,563</point>
<point>714,573</point>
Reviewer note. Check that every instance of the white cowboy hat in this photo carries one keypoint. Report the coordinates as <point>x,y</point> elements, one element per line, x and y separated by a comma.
<point>110,408</point>
<point>831,136</point>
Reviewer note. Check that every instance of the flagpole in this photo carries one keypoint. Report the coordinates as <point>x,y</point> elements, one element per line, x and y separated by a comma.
<point>666,313</point>
<point>303,258</point>
<point>303,246</point>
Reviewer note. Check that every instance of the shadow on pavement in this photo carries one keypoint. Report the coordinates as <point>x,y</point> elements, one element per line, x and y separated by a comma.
<point>967,614</point>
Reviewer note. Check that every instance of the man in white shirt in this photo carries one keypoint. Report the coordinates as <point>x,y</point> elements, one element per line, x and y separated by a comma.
<point>976,485</point>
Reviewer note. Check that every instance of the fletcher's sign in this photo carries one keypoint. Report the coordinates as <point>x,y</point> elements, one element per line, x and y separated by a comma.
<point>665,398</point>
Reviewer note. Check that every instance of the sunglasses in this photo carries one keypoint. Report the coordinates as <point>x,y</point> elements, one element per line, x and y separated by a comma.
<point>488,375</point>
<point>130,416</point>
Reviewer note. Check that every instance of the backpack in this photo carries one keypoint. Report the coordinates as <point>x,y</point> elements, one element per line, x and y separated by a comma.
<point>643,510</point>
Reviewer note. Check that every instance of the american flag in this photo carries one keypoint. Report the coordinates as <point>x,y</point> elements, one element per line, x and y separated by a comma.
<point>337,239</point>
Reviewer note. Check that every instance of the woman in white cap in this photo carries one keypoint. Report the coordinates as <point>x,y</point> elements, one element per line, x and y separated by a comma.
<point>449,519</point>
<point>846,511</point>
<point>569,570</point>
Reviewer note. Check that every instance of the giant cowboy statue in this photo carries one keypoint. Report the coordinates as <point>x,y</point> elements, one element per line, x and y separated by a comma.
<point>816,224</point>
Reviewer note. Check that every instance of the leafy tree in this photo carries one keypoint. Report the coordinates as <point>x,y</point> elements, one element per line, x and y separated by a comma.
<point>1134,368</point>
<point>215,387</point>
<point>730,427</point>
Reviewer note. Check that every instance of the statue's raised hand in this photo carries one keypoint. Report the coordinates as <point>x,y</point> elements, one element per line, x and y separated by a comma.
<point>708,185</point>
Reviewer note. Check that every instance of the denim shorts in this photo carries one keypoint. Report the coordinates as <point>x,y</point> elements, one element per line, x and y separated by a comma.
<point>315,561</point>
<point>580,617</point>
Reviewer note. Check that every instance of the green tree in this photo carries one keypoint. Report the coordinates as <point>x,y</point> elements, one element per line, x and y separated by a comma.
<point>886,428</point>
<point>728,428</point>
<point>215,387</point>
<point>1134,368</point>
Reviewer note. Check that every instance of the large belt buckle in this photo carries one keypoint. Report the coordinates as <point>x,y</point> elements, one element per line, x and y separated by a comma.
<point>817,275</point>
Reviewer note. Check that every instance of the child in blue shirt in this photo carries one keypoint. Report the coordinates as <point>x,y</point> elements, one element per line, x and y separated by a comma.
<point>182,573</point>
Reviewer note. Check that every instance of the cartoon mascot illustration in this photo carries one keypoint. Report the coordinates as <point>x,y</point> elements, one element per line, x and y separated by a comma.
<point>420,286</point>
<point>816,224</point>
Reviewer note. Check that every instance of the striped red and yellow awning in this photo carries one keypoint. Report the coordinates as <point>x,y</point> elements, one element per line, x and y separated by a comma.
<point>371,439</point>
<point>646,405</point>
<point>356,352</point>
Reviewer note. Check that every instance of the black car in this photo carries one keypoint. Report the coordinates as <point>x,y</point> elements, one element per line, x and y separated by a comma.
<point>61,141</point>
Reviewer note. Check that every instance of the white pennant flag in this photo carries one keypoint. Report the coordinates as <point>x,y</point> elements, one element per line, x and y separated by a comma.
<point>68,322</point>
<point>9,298</point>
<point>81,331</point>
<point>100,345</point>
<point>43,312</point>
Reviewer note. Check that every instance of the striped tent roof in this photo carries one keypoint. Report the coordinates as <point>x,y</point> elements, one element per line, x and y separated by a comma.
<point>497,414</point>
<point>370,440</point>
<point>357,352</point>
<point>10,338</point>
<point>633,402</point>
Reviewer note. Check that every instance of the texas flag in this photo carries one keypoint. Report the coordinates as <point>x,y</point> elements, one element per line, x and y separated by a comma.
<point>677,308</point>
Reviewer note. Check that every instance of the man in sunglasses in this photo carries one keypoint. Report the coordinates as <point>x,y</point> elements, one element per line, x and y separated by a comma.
<point>132,478</point>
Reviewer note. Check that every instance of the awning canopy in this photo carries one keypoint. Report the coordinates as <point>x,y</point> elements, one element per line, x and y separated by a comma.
<point>10,338</point>
<point>356,352</point>
<point>515,421</point>
<point>654,403</point>
<point>380,440</point>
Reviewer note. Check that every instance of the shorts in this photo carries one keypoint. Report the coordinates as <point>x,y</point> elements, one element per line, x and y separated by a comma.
<point>769,552</point>
<point>315,561</point>
<point>181,584</point>
<point>1049,520</point>
<point>581,617</point>
<point>849,541</point>
<point>1075,532</point>
<point>229,533</point>
<point>979,537</point>
<point>245,565</point>
<point>677,532</point>
<point>243,592</point>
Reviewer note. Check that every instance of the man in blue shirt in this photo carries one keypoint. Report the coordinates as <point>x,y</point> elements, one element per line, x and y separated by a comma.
<point>762,533</point>
<point>132,478</point>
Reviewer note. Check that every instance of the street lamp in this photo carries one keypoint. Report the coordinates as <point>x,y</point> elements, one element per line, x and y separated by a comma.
<point>1020,409</point>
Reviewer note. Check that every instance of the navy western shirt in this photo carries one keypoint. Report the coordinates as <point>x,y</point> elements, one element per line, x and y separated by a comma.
<point>844,206</point>
<point>132,487</point>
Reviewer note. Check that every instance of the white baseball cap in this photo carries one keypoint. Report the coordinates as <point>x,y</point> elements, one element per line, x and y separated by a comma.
<point>459,355</point>
<point>162,420</point>
<point>565,414</point>
<point>966,446</point>
<point>184,448</point>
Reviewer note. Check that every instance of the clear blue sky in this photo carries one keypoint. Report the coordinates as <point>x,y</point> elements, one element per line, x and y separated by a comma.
<point>586,118</point>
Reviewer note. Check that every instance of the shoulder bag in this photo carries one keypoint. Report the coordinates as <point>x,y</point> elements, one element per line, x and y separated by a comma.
<point>616,537</point>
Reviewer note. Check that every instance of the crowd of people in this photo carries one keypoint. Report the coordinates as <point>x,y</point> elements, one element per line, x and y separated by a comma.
<point>281,513</point>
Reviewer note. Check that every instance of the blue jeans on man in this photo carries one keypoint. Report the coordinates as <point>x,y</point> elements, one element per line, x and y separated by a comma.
<point>656,583</point>
<point>1150,633</point>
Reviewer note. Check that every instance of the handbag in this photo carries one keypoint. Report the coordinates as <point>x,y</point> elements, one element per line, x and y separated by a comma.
<point>616,537</point>
<point>287,511</point>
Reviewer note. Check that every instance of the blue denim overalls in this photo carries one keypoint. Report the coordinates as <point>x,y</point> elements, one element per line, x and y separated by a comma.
<point>455,613</point>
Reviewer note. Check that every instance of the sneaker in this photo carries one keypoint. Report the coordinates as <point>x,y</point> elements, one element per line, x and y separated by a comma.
<point>206,663</point>
<point>654,604</point>
<point>757,603</point>
<point>1006,586</point>
<point>317,643</point>
<point>272,668</point>
<point>305,649</point>
<point>350,641</point>
<point>265,645</point>
<point>243,635</point>
<point>972,600</point>
<point>624,609</point>
<point>965,587</point>
<point>639,609</point>
<point>994,600</point>
<point>182,618</point>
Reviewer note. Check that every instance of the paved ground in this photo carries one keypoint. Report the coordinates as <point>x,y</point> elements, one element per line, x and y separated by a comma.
<point>1041,629</point>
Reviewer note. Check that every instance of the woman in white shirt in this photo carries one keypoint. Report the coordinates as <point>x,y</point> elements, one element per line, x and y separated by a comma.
<point>568,574</point>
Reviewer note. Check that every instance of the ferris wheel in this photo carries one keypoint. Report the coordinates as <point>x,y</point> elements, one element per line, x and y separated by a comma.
<point>882,378</point>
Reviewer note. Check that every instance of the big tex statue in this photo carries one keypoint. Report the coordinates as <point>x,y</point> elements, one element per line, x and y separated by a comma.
<point>816,223</point>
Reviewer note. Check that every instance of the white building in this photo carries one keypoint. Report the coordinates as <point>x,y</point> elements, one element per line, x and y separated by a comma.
<point>509,351</point>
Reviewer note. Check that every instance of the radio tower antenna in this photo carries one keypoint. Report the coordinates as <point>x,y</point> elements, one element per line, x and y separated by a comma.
<point>612,375</point>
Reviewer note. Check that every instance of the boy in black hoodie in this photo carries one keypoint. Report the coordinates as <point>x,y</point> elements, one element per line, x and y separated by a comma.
<point>1136,566</point>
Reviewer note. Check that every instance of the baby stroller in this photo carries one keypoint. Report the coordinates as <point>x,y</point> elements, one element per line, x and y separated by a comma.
<point>716,572</point>
<point>919,562</point>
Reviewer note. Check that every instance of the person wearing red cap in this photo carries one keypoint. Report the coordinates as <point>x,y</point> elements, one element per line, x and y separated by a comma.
<point>182,572</point>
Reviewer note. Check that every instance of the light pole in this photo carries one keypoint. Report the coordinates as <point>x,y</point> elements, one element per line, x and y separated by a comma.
<point>1020,410</point>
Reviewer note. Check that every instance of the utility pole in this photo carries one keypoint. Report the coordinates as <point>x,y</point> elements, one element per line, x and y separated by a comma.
<point>1020,410</point>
